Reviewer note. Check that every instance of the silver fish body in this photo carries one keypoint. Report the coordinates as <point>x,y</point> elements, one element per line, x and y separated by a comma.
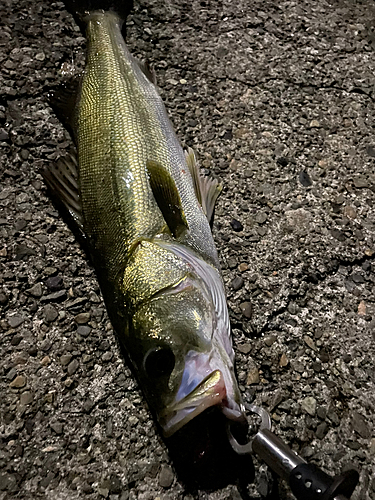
<point>148,235</point>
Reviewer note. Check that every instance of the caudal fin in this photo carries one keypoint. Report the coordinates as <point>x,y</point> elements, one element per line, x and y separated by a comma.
<point>80,8</point>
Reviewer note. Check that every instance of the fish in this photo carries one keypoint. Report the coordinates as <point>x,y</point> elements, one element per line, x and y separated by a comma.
<point>144,210</point>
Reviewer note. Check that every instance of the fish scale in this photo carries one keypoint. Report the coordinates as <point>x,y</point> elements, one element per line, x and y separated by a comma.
<point>144,209</point>
<point>120,209</point>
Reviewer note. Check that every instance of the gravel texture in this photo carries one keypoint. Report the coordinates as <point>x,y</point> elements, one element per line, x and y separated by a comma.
<point>277,99</point>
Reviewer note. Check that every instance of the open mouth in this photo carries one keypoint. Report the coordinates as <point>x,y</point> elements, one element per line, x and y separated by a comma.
<point>210,392</point>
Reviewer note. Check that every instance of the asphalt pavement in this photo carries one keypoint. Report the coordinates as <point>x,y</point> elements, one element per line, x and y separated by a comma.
<point>277,100</point>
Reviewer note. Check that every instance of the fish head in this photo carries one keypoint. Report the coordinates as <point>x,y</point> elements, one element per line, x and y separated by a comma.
<point>181,348</point>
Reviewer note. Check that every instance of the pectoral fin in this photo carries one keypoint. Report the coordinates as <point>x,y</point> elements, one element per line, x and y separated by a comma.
<point>64,100</point>
<point>62,180</point>
<point>167,197</point>
<point>207,189</point>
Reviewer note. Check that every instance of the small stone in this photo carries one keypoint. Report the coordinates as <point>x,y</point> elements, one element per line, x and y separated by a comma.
<point>321,412</point>
<point>36,290</point>
<point>372,447</point>
<point>7,482</point>
<point>324,356</point>
<point>264,487</point>
<point>166,476</point>
<point>69,383</point>
<point>309,405</point>
<point>45,361</point>
<point>133,420</point>
<point>16,339</point>
<point>15,320</point>
<point>284,361</point>
<point>20,225</point>
<point>237,283</point>
<point>54,297</point>
<point>370,150</point>
<point>314,124</point>
<point>360,425</point>
<point>4,136</point>
<point>21,359</point>
<point>271,339</point>
<point>333,417</point>
<point>360,182</point>
<point>292,308</point>
<point>23,251</point>
<point>304,178</point>
<point>46,345</point>
<point>84,330</point>
<point>50,313</point>
<point>350,212</point>
<point>321,430</point>
<point>103,492</point>
<point>50,271</point>
<point>261,218</point>
<point>57,427</point>
<point>246,309</point>
<point>26,398</point>
<point>353,445</point>
<point>65,359</point>
<point>243,267</point>
<point>236,225</point>
<point>32,351</point>
<point>54,283</point>
<point>73,366</point>
<point>317,366</point>
<point>253,376</point>
<point>3,299</point>
<point>88,405</point>
<point>18,382</point>
<point>309,342</point>
<point>244,348</point>
<point>40,56</point>
<point>115,485</point>
<point>362,308</point>
<point>358,278</point>
<point>94,297</point>
<point>107,356</point>
<point>82,318</point>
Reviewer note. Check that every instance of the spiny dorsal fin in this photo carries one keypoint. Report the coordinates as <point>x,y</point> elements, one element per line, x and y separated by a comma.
<point>146,69</point>
<point>207,189</point>
<point>167,197</point>
<point>62,180</point>
<point>64,100</point>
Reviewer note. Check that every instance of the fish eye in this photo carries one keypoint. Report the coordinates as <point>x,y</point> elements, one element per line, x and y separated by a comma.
<point>159,362</point>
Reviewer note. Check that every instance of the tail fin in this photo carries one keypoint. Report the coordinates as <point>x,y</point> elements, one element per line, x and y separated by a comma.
<point>80,8</point>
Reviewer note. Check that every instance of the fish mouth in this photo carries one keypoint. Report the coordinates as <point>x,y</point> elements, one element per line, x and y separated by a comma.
<point>211,391</point>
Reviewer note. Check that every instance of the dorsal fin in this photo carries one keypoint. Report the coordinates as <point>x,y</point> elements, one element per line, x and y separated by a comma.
<point>62,180</point>
<point>167,197</point>
<point>207,189</point>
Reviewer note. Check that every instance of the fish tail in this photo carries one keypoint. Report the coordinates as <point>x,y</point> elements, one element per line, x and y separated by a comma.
<point>81,8</point>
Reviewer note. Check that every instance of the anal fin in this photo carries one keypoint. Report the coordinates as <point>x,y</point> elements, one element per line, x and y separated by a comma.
<point>167,197</point>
